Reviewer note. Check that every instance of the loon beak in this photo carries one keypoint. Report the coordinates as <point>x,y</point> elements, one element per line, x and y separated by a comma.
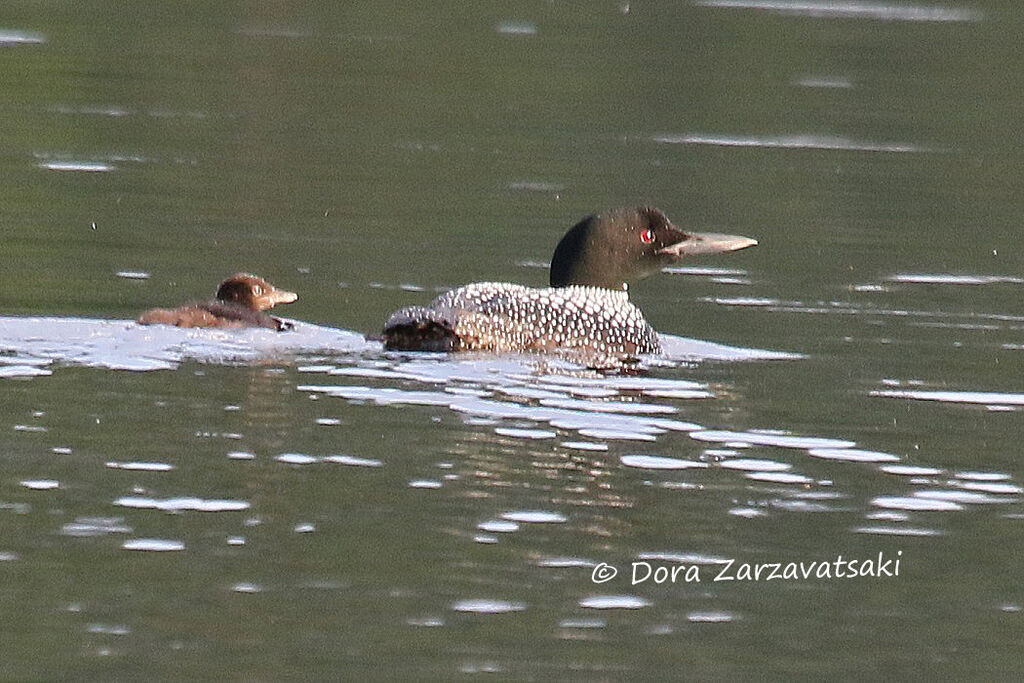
<point>276,296</point>
<point>694,243</point>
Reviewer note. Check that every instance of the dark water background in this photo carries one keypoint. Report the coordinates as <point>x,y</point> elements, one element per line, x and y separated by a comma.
<point>367,155</point>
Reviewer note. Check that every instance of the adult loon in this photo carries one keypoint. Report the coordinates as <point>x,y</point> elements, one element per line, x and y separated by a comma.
<point>585,313</point>
<point>241,301</point>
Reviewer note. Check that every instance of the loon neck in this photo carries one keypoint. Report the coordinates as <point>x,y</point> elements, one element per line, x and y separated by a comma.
<point>621,289</point>
<point>596,289</point>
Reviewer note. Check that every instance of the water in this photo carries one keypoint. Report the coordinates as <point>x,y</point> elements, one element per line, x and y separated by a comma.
<point>259,505</point>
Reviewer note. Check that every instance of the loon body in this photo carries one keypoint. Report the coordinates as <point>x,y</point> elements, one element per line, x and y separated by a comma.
<point>240,302</point>
<point>498,316</point>
<point>586,311</point>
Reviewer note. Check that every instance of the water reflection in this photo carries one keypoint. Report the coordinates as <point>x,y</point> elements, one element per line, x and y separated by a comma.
<point>502,402</point>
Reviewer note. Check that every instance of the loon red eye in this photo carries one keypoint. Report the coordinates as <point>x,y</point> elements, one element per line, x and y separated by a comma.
<point>647,236</point>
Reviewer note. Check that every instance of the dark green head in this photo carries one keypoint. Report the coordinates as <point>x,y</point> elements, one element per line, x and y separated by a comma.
<point>623,245</point>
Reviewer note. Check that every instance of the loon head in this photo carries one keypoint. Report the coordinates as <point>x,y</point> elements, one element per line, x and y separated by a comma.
<point>252,292</point>
<point>614,248</point>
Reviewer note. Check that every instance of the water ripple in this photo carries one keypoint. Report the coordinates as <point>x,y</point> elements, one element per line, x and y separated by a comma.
<point>653,462</point>
<point>765,438</point>
<point>851,10</point>
<point>535,516</point>
<point>682,558</point>
<point>911,503</point>
<point>975,397</point>
<point>852,454</point>
<point>948,279</point>
<point>21,37</point>
<point>779,477</point>
<point>614,602</point>
<point>822,142</point>
<point>153,545</point>
<point>180,504</point>
<point>967,497</point>
<point>516,28</point>
<point>525,433</point>
<point>710,617</point>
<point>87,166</point>
<point>41,484</point>
<point>484,606</point>
<point>85,527</point>
<point>755,465</point>
<point>584,445</point>
<point>141,466</point>
<point>898,531</point>
<point>910,470</point>
<point>566,563</point>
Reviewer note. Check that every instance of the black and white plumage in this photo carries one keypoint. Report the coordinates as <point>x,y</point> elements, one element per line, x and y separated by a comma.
<point>498,316</point>
<point>586,313</point>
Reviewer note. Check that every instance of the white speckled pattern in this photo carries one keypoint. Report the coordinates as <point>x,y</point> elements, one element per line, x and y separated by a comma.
<point>498,316</point>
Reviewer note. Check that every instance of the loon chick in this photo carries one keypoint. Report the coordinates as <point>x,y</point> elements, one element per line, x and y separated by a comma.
<point>586,310</point>
<point>240,302</point>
